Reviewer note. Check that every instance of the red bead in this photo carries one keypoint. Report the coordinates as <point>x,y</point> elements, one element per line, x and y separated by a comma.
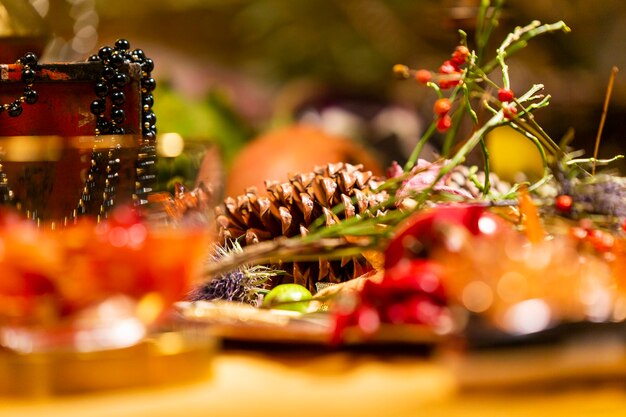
<point>563,203</point>
<point>442,106</point>
<point>444,123</point>
<point>505,95</point>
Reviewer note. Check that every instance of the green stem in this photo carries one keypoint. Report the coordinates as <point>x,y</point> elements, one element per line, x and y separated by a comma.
<point>546,177</point>
<point>546,140</point>
<point>488,24</point>
<point>459,157</point>
<point>520,37</point>
<point>471,143</point>
<point>596,161</point>
<point>487,167</point>
<point>506,83</point>
<point>480,23</point>
<point>420,145</point>
<point>535,141</point>
<point>468,103</point>
<point>451,134</point>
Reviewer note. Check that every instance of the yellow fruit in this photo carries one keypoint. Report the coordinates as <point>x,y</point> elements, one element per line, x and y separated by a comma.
<point>511,153</point>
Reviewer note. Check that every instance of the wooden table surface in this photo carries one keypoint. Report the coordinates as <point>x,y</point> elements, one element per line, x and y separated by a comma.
<point>332,383</point>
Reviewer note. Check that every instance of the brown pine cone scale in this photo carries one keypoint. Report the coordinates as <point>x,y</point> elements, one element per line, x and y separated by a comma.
<point>291,207</point>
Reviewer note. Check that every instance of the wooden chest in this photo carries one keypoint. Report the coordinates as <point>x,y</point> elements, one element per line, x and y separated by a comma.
<point>47,150</point>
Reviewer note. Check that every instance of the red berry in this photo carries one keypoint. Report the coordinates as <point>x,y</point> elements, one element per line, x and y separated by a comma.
<point>624,225</point>
<point>396,313</point>
<point>509,110</point>
<point>444,123</point>
<point>423,76</point>
<point>442,106</point>
<point>505,95</point>
<point>413,276</point>
<point>587,224</point>
<point>448,68</point>
<point>422,310</point>
<point>577,233</point>
<point>448,83</point>
<point>422,226</point>
<point>601,241</point>
<point>341,321</point>
<point>563,203</point>
<point>367,319</point>
<point>460,54</point>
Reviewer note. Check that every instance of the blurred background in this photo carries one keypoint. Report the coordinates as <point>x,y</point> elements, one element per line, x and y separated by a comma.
<point>229,71</point>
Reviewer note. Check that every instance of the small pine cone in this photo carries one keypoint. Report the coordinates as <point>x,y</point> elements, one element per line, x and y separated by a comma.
<point>291,207</point>
<point>183,208</point>
<point>460,178</point>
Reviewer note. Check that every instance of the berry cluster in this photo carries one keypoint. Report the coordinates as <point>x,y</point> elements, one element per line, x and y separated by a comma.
<point>411,290</point>
<point>448,75</point>
<point>410,293</point>
<point>441,108</point>
<point>585,234</point>
<point>506,97</point>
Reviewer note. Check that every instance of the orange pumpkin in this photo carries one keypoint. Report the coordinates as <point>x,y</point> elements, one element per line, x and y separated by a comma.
<point>294,149</point>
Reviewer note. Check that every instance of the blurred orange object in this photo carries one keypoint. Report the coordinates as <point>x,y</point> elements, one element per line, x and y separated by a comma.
<point>291,150</point>
<point>525,287</point>
<point>59,285</point>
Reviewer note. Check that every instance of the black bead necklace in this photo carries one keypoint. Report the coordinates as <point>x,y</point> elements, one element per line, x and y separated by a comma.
<point>29,96</point>
<point>110,86</point>
<point>14,109</point>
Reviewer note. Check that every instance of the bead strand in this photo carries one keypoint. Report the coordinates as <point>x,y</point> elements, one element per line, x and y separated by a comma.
<point>110,87</point>
<point>146,157</point>
<point>29,96</point>
<point>6,195</point>
<point>29,63</point>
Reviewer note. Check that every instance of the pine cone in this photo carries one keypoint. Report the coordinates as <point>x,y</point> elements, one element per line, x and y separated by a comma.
<point>184,207</point>
<point>291,207</point>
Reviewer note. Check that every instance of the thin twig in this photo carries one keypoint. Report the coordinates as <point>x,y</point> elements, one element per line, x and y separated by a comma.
<point>605,109</point>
